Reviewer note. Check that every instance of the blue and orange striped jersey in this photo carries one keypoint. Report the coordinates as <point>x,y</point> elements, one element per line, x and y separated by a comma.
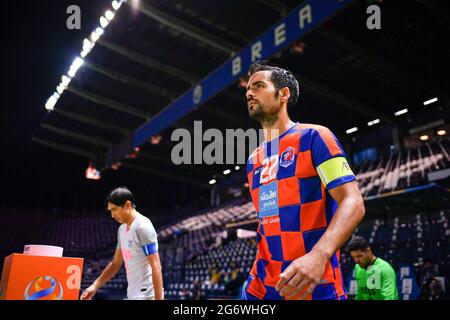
<point>289,179</point>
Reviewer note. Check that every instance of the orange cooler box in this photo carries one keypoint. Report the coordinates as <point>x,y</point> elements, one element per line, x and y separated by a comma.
<point>28,277</point>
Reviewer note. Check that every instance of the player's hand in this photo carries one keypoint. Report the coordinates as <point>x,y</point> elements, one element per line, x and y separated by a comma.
<point>88,293</point>
<point>303,274</point>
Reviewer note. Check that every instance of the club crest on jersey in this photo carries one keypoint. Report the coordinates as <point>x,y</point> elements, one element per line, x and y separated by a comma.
<point>287,157</point>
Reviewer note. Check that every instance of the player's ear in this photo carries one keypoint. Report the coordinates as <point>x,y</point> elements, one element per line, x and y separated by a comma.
<point>285,94</point>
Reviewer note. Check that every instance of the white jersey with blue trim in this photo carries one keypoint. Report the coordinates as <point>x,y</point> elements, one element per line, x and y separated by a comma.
<point>136,244</point>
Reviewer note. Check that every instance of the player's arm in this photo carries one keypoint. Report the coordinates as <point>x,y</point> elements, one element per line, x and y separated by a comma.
<point>388,284</point>
<point>110,271</point>
<point>155,264</point>
<point>149,242</point>
<point>328,157</point>
<point>339,180</point>
<point>347,217</point>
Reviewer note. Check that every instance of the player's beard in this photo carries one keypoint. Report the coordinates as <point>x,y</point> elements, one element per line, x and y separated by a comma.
<point>265,117</point>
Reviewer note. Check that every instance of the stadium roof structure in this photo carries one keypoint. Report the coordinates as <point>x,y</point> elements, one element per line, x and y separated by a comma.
<point>153,54</point>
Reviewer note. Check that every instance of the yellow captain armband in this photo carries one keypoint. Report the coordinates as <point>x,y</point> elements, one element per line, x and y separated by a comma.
<point>333,169</point>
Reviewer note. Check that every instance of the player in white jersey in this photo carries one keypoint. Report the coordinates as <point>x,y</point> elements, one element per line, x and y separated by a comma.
<point>137,246</point>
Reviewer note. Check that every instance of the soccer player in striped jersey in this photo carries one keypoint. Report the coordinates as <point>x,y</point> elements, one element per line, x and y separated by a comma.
<point>304,192</point>
<point>137,246</point>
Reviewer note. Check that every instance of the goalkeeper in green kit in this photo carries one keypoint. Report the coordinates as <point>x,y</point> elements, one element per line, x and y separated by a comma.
<point>375,277</point>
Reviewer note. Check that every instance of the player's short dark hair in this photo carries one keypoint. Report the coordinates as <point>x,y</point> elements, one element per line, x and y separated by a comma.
<point>358,243</point>
<point>119,196</point>
<point>280,77</point>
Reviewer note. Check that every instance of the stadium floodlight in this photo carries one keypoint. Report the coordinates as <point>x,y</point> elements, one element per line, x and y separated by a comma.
<point>237,168</point>
<point>351,130</point>
<point>109,15</point>
<point>212,181</point>
<point>94,37</point>
<point>65,80</point>
<point>116,4</point>
<point>51,102</point>
<point>424,137</point>
<point>99,31</point>
<point>441,132</point>
<point>87,47</point>
<point>371,123</point>
<point>430,101</point>
<point>103,22</point>
<point>77,63</point>
<point>400,112</point>
<point>60,88</point>
<point>227,172</point>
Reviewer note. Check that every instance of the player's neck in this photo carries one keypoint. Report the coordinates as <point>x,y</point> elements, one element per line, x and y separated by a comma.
<point>131,218</point>
<point>277,128</point>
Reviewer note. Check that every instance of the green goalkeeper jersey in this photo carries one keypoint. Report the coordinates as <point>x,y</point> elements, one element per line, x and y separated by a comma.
<point>377,282</point>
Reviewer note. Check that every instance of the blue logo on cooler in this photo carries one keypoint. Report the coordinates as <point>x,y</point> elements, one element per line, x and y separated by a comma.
<point>44,288</point>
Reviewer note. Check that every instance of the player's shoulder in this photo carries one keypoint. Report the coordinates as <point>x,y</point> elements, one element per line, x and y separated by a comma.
<point>310,128</point>
<point>384,264</point>
<point>144,222</point>
<point>143,219</point>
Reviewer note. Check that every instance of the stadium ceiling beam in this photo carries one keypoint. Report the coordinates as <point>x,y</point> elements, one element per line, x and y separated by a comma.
<point>233,95</point>
<point>78,136</point>
<point>126,79</point>
<point>213,83</point>
<point>224,115</point>
<point>342,99</point>
<point>236,98</point>
<point>185,28</point>
<point>276,5</point>
<point>165,174</point>
<point>62,147</point>
<point>91,121</point>
<point>104,101</point>
<point>149,62</point>
<point>380,62</point>
<point>186,9</point>
<point>440,11</point>
<point>157,158</point>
